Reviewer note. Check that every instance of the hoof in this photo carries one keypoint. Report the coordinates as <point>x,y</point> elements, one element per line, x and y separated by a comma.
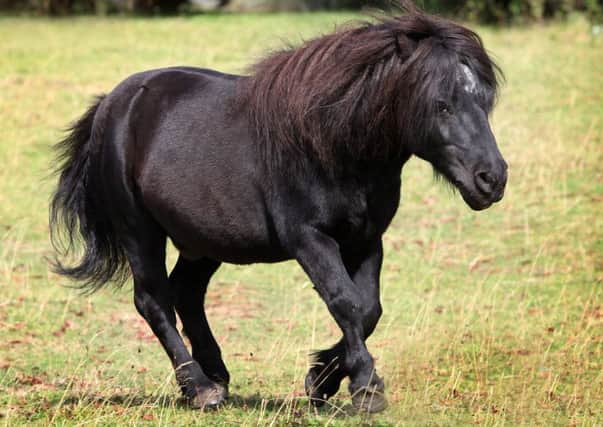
<point>320,387</point>
<point>369,400</point>
<point>311,384</point>
<point>210,397</point>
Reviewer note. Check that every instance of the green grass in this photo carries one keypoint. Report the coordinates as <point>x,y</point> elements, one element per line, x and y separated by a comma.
<point>490,318</point>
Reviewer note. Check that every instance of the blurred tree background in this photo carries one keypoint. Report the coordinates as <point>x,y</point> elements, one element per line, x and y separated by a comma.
<point>485,11</point>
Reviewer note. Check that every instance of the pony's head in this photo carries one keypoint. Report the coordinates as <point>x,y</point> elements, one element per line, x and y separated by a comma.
<point>447,91</point>
<point>459,141</point>
<point>410,84</point>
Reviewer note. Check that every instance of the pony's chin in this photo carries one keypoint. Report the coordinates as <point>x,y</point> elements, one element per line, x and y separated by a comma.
<point>476,203</point>
<point>473,199</point>
<point>459,178</point>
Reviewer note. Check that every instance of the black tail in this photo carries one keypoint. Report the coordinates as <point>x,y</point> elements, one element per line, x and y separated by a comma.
<point>73,204</point>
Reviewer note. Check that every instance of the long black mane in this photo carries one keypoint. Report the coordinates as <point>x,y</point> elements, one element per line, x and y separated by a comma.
<point>364,92</point>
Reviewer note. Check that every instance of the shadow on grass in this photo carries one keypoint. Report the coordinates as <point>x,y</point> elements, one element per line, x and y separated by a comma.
<point>334,408</point>
<point>124,400</point>
<point>297,405</point>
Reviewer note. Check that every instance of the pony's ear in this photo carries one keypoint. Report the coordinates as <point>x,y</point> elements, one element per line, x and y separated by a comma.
<point>415,25</point>
<point>405,46</point>
<point>408,42</point>
<point>417,36</point>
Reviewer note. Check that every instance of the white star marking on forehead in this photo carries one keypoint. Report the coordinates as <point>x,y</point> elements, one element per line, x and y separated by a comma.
<point>470,82</point>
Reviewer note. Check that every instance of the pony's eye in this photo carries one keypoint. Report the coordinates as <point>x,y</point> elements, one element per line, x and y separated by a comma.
<point>444,108</point>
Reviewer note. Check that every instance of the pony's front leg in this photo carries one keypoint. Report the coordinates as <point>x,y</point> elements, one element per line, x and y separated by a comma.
<point>320,257</point>
<point>325,376</point>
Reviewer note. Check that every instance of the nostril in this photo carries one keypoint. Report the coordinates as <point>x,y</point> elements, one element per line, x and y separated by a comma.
<point>486,177</point>
<point>486,181</point>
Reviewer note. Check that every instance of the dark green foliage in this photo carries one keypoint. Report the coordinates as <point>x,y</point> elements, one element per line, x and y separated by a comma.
<point>516,10</point>
<point>594,10</point>
<point>100,7</point>
<point>505,11</point>
<point>485,11</point>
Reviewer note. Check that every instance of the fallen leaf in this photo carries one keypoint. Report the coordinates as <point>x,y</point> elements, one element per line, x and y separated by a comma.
<point>477,261</point>
<point>61,331</point>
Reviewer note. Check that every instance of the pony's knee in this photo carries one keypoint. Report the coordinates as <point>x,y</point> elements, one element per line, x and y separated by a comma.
<point>371,318</point>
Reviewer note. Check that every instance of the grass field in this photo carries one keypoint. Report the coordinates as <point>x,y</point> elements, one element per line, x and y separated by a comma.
<point>491,318</point>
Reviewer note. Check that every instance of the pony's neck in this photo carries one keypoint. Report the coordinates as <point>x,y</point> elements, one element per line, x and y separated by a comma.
<point>373,170</point>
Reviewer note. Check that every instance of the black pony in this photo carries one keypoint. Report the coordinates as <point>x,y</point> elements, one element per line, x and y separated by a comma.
<point>299,160</point>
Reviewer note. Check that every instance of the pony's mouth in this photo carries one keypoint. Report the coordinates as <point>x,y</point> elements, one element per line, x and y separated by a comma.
<point>475,198</point>
<point>470,182</point>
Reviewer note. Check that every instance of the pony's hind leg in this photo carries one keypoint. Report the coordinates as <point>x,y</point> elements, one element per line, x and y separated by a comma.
<point>154,300</point>
<point>190,279</point>
<point>326,373</point>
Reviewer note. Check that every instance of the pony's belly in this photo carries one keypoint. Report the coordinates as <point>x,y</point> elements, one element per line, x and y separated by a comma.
<point>235,252</point>
<point>237,236</point>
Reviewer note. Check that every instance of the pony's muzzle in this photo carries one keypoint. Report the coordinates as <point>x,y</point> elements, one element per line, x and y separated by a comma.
<point>491,182</point>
